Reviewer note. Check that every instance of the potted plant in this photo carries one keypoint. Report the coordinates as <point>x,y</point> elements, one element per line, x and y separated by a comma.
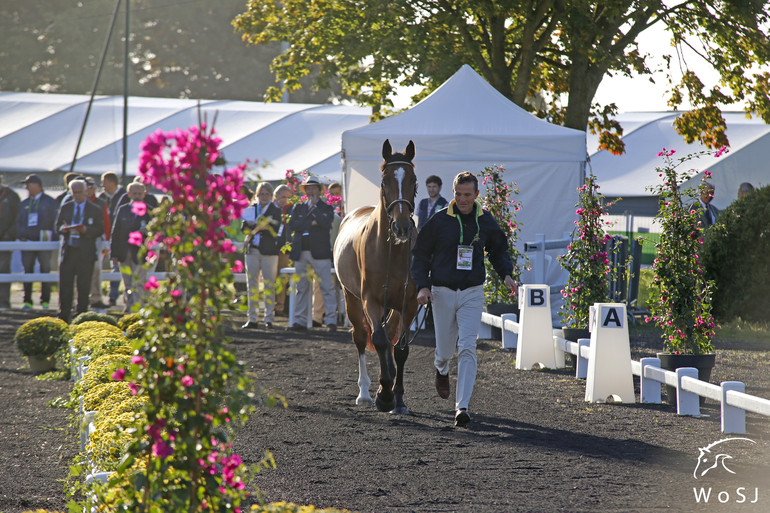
<point>39,339</point>
<point>680,296</point>
<point>586,262</point>
<point>500,200</point>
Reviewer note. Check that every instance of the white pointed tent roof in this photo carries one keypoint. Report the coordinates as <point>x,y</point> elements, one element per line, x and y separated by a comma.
<point>647,133</point>
<point>467,125</point>
<point>38,132</point>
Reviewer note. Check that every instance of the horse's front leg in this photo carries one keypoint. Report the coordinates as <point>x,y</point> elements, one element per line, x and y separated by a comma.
<point>384,400</point>
<point>401,353</point>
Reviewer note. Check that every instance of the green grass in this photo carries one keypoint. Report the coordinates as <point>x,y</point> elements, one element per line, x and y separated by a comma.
<point>648,244</point>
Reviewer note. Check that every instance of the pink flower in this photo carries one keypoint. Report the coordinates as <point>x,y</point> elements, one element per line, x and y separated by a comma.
<point>136,359</point>
<point>238,266</point>
<point>161,449</point>
<point>176,293</point>
<point>151,284</point>
<point>135,238</point>
<point>139,208</point>
<point>187,381</point>
<point>119,374</point>
<point>134,388</point>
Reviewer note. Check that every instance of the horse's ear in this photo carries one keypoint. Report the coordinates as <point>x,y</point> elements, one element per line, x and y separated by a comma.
<point>387,151</point>
<point>410,151</point>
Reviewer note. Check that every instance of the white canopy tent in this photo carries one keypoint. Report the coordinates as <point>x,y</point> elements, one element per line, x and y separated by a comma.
<point>467,125</point>
<point>39,132</point>
<point>646,133</point>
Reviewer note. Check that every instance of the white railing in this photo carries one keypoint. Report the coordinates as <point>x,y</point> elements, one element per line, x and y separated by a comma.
<point>730,395</point>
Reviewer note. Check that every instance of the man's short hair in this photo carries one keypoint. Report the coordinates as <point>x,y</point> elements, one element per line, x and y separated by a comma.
<point>433,179</point>
<point>136,185</point>
<point>466,177</point>
<point>110,176</point>
<point>78,182</point>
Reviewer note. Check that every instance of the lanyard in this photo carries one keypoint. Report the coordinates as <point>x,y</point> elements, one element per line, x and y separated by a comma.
<point>33,208</point>
<point>462,236</point>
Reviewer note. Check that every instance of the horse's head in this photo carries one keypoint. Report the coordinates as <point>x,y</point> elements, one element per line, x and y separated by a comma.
<point>398,189</point>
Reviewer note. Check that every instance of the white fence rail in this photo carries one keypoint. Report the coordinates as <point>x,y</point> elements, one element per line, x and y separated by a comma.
<point>731,396</point>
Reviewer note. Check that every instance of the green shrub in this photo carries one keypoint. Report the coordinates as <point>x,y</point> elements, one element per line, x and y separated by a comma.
<point>100,370</point>
<point>75,329</point>
<point>129,319</point>
<point>135,330</point>
<point>98,340</point>
<point>95,316</point>
<point>735,256</point>
<point>41,337</point>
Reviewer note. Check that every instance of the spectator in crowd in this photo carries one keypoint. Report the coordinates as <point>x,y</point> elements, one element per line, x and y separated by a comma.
<point>102,245</point>
<point>433,203</point>
<point>744,189</point>
<point>333,196</point>
<point>9,211</point>
<point>149,199</point>
<point>448,271</point>
<point>65,195</point>
<point>36,222</point>
<point>281,199</point>
<point>262,221</point>
<point>310,223</point>
<point>79,224</point>
<point>708,212</point>
<point>116,196</point>
<point>124,250</point>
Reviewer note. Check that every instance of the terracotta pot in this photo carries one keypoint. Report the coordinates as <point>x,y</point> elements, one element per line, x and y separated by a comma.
<point>703,362</point>
<point>41,363</point>
<point>500,309</point>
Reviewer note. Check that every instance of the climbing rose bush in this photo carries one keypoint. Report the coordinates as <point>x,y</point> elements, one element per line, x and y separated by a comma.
<point>500,200</point>
<point>181,457</point>
<point>586,259</point>
<point>680,296</point>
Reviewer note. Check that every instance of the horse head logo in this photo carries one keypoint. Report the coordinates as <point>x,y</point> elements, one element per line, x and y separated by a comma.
<point>713,455</point>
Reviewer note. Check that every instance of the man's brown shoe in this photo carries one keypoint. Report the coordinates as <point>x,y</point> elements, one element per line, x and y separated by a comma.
<point>442,385</point>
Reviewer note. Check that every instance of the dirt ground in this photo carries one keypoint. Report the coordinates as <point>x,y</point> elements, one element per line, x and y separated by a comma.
<point>534,444</point>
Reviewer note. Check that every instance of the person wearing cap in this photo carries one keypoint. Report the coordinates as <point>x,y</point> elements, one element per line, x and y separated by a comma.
<point>79,224</point>
<point>281,197</point>
<point>311,222</point>
<point>9,210</point>
<point>36,222</point>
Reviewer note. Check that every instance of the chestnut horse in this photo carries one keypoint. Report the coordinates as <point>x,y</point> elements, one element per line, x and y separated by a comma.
<point>372,256</point>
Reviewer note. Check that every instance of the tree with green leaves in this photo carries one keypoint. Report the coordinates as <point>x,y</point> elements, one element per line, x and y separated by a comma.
<point>547,56</point>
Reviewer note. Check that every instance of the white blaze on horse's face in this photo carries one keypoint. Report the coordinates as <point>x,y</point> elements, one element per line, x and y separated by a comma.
<point>399,174</point>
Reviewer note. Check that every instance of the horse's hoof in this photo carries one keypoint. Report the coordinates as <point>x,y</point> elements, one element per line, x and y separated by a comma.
<point>384,405</point>
<point>364,401</point>
<point>400,410</point>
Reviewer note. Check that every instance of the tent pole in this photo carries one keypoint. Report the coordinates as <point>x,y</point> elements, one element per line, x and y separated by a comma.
<point>96,83</point>
<point>125,93</point>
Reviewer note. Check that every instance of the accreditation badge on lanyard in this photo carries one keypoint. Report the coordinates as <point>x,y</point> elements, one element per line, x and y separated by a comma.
<point>464,251</point>
<point>464,257</point>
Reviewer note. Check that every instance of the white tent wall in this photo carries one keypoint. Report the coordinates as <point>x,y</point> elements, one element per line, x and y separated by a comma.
<point>646,133</point>
<point>39,132</point>
<point>467,125</point>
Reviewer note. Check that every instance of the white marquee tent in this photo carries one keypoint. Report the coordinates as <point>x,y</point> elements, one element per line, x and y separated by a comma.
<point>467,125</point>
<point>647,133</point>
<point>39,132</point>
